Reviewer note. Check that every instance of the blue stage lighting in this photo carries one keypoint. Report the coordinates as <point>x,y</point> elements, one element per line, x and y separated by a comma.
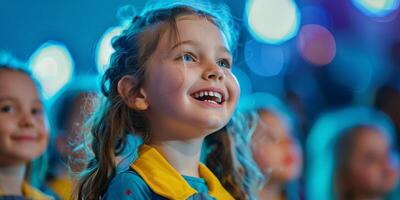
<point>244,80</point>
<point>273,21</point>
<point>104,48</point>
<point>53,66</point>
<point>376,8</point>
<point>263,59</point>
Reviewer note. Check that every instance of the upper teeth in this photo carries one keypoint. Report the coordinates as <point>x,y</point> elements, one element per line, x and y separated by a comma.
<point>209,93</point>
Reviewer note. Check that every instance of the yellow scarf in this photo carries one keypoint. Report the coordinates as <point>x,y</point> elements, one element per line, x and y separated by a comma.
<point>165,181</point>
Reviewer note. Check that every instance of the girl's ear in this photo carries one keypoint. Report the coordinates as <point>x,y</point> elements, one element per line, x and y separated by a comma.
<point>134,99</point>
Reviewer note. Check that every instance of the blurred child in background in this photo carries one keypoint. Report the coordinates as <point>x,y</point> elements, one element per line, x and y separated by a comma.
<point>266,145</point>
<point>350,155</point>
<point>278,155</point>
<point>363,164</point>
<point>69,113</point>
<point>23,134</point>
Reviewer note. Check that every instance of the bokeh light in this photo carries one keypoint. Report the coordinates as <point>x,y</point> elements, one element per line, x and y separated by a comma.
<point>313,14</point>
<point>104,48</point>
<point>354,69</point>
<point>263,59</point>
<point>272,21</point>
<point>244,81</point>
<point>53,66</point>
<point>376,8</point>
<point>316,44</point>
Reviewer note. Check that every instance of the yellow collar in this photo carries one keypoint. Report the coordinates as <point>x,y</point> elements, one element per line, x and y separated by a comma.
<point>165,181</point>
<point>31,193</point>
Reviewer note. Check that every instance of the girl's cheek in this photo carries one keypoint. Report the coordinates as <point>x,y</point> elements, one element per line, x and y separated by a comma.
<point>233,84</point>
<point>367,178</point>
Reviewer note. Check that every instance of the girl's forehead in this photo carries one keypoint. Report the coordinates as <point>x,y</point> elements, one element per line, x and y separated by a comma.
<point>14,76</point>
<point>371,138</point>
<point>16,83</point>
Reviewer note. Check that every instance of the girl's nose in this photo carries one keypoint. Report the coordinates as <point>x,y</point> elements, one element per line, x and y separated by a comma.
<point>213,72</point>
<point>27,120</point>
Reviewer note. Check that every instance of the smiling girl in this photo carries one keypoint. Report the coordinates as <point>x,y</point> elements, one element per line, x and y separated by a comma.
<point>23,133</point>
<point>170,81</point>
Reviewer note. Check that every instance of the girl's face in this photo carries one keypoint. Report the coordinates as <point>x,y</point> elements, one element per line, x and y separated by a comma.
<point>23,127</point>
<point>370,167</point>
<point>189,84</point>
<point>274,149</point>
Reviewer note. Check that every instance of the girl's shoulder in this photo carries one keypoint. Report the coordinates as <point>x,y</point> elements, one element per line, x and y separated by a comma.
<point>128,185</point>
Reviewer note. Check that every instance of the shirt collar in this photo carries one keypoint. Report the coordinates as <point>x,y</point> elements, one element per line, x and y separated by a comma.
<point>165,181</point>
<point>33,193</point>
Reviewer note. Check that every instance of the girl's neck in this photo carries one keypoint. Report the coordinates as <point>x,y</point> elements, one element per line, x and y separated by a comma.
<point>11,179</point>
<point>184,156</point>
<point>271,191</point>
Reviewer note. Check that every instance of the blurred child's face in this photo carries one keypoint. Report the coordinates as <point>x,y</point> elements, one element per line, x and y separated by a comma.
<point>275,150</point>
<point>189,84</point>
<point>74,124</point>
<point>370,168</point>
<point>23,127</point>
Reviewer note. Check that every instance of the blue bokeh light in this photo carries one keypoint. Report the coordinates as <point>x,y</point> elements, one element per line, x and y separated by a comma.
<point>313,14</point>
<point>244,81</point>
<point>104,48</point>
<point>273,21</point>
<point>53,66</point>
<point>376,8</point>
<point>264,60</point>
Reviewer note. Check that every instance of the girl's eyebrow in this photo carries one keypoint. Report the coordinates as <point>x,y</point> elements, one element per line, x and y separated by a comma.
<point>194,43</point>
<point>186,42</point>
<point>6,98</point>
<point>12,99</point>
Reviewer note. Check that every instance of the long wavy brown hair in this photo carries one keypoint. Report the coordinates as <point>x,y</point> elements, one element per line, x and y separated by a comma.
<point>114,120</point>
<point>223,163</point>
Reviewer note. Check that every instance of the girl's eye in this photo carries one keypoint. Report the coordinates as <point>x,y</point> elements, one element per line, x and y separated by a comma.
<point>7,109</point>
<point>37,111</point>
<point>224,63</point>
<point>187,58</point>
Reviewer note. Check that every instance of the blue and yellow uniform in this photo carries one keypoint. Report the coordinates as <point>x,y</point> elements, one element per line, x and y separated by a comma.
<point>28,192</point>
<point>152,177</point>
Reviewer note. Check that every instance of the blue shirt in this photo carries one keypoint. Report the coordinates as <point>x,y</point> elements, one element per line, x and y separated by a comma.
<point>129,185</point>
<point>151,176</point>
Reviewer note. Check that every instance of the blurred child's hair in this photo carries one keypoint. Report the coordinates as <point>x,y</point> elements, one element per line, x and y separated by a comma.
<point>241,129</point>
<point>222,161</point>
<point>114,120</point>
<point>85,87</point>
<point>36,169</point>
<point>231,157</point>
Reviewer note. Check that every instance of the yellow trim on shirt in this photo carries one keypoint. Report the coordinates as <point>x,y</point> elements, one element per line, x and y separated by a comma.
<point>165,181</point>
<point>31,193</point>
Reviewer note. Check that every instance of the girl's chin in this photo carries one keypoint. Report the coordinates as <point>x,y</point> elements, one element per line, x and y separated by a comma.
<point>213,124</point>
